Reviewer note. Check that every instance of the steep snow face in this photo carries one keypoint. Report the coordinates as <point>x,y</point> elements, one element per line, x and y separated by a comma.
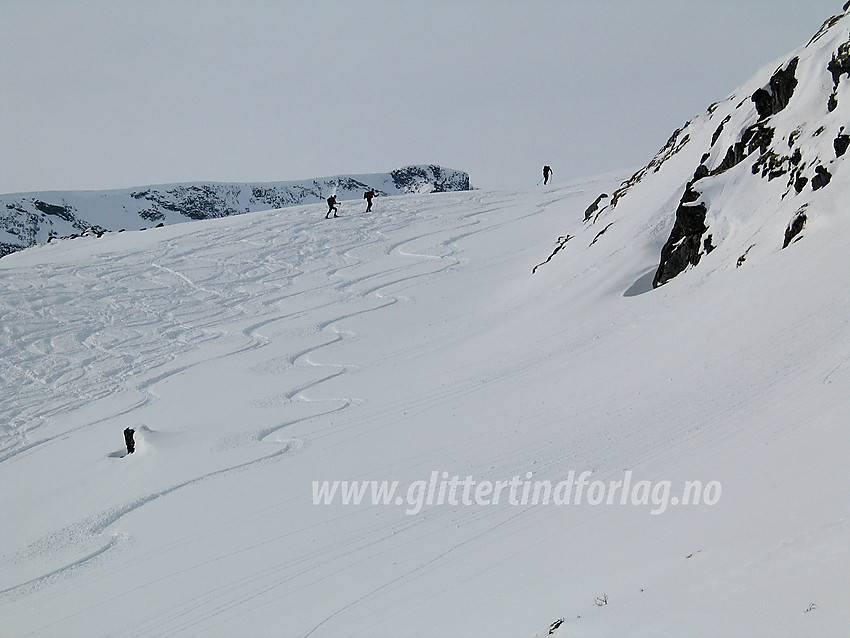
<point>27,219</point>
<point>749,176</point>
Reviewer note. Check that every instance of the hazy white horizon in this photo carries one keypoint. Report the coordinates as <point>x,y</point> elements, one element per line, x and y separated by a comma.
<point>103,95</point>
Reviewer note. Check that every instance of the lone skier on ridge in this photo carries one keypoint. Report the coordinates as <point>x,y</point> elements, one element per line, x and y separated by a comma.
<point>368,195</point>
<point>547,171</point>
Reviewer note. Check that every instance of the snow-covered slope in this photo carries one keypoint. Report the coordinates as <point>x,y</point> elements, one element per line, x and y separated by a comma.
<point>256,356</point>
<point>750,175</point>
<point>27,219</point>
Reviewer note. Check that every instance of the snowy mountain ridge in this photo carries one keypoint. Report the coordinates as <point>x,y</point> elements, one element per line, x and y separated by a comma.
<point>28,219</point>
<point>744,179</point>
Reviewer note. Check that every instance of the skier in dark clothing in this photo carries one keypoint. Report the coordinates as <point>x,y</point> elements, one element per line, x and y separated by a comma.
<point>331,206</point>
<point>547,171</point>
<point>128,439</point>
<point>368,195</point>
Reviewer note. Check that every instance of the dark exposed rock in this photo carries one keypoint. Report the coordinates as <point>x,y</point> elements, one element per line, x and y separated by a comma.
<point>588,213</point>
<point>841,143</point>
<point>795,227</point>
<point>772,148</point>
<point>828,24</point>
<point>625,187</point>
<point>776,95</point>
<point>756,137</point>
<point>195,202</point>
<point>822,178</point>
<point>719,130</point>
<point>743,257</point>
<point>772,165</point>
<point>670,148</point>
<point>562,241</point>
<point>795,134</point>
<point>684,247</point>
<point>408,179</point>
<point>735,154</point>
<point>62,212</point>
<point>8,249</point>
<point>840,63</point>
<point>600,233</point>
<point>151,214</point>
<point>667,152</point>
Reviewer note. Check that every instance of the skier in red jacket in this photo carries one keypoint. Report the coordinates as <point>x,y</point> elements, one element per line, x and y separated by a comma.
<point>368,195</point>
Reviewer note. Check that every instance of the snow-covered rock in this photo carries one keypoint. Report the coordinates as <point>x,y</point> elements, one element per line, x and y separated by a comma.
<point>27,219</point>
<point>755,168</point>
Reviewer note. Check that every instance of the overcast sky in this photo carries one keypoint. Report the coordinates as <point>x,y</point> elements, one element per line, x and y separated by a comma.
<point>115,94</point>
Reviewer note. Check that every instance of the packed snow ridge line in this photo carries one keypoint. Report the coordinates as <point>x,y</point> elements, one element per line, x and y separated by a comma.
<point>29,219</point>
<point>752,171</point>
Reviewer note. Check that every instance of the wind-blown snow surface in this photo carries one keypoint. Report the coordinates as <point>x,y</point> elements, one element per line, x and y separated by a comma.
<point>257,354</point>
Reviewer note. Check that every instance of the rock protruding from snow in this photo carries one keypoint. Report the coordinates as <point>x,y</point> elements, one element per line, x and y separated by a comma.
<point>737,177</point>
<point>774,97</point>
<point>27,219</point>
<point>685,245</point>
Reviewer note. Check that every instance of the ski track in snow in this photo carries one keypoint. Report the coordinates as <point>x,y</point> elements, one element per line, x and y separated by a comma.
<point>61,356</point>
<point>225,600</point>
<point>285,302</point>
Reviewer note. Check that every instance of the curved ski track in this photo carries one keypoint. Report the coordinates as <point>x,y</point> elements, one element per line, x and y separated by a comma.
<point>156,311</point>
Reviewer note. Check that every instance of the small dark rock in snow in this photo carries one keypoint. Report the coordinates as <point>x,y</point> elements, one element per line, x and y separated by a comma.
<point>794,228</point>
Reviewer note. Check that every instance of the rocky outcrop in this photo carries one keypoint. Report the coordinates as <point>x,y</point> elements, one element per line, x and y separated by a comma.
<point>674,144</point>
<point>795,227</point>
<point>728,181</point>
<point>588,213</point>
<point>841,143</point>
<point>774,97</point>
<point>689,239</point>
<point>685,245</point>
<point>429,179</point>
<point>838,66</point>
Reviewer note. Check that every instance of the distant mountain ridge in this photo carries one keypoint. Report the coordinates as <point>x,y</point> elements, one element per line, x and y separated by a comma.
<point>28,219</point>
